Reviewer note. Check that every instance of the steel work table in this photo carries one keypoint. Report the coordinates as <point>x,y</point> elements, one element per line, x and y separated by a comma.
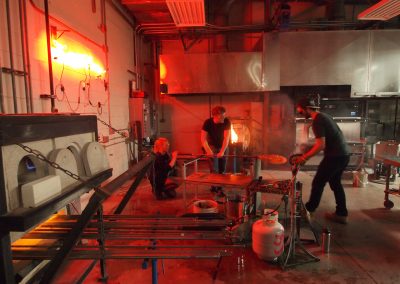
<point>211,179</point>
<point>390,161</point>
<point>222,180</point>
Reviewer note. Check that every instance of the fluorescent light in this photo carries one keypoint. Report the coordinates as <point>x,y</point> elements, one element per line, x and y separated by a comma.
<point>381,11</point>
<point>187,13</point>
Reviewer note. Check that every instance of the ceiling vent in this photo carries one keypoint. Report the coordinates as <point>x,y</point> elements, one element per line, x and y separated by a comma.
<point>381,11</point>
<point>187,13</point>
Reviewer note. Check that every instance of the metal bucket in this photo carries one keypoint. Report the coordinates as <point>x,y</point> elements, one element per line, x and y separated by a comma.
<point>360,179</point>
<point>205,206</point>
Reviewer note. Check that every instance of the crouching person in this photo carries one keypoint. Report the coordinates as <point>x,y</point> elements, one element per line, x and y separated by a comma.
<point>163,187</point>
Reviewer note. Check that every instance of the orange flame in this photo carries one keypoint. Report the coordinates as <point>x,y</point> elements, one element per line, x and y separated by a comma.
<point>163,71</point>
<point>234,136</point>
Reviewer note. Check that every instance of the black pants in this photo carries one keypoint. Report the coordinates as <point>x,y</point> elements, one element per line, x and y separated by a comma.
<point>168,189</point>
<point>329,170</point>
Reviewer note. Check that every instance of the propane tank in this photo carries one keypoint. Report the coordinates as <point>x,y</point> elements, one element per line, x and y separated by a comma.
<point>268,236</point>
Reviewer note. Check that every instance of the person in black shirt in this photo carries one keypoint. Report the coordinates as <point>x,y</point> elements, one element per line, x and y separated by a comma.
<point>329,138</point>
<point>163,187</point>
<point>215,136</point>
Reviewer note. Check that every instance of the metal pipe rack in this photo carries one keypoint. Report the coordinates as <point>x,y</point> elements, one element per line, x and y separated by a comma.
<point>130,229</point>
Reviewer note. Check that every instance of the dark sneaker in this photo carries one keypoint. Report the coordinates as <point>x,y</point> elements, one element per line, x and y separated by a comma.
<point>336,218</point>
<point>310,216</point>
<point>214,189</point>
<point>171,193</point>
<point>160,197</point>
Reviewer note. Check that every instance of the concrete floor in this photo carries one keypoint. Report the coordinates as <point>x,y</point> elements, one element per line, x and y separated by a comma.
<point>365,250</point>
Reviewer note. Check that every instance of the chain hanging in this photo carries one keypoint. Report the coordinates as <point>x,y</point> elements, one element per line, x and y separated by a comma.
<point>122,134</point>
<point>40,156</point>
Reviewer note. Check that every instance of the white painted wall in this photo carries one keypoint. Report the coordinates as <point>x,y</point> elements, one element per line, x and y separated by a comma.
<point>83,17</point>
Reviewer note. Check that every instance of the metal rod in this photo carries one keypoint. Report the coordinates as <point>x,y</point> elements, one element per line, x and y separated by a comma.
<point>154,276</point>
<point>10,46</point>
<point>146,253</point>
<point>395,120</point>
<point>175,235</point>
<point>193,161</point>
<point>111,247</point>
<point>22,27</point>
<point>131,190</point>
<point>106,52</point>
<point>199,156</point>
<point>156,219</point>
<point>234,160</point>
<point>86,272</point>
<point>217,269</point>
<point>101,242</point>
<point>28,58</point>
<point>49,57</point>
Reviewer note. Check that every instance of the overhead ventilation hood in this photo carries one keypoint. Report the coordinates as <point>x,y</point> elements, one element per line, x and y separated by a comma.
<point>187,13</point>
<point>381,11</point>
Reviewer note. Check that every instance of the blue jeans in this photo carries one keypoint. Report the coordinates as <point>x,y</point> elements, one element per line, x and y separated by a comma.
<point>329,170</point>
<point>217,165</point>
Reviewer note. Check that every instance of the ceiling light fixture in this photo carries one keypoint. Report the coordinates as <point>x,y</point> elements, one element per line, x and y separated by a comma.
<point>187,13</point>
<point>381,11</point>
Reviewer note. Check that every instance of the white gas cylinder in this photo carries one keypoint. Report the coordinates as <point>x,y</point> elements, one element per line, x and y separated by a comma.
<point>268,237</point>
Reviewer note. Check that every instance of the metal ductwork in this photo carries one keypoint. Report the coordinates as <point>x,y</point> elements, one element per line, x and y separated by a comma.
<point>187,13</point>
<point>381,11</point>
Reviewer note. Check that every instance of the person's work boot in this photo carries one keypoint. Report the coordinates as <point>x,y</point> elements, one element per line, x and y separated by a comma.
<point>309,215</point>
<point>336,218</point>
<point>170,193</point>
<point>159,196</point>
<point>214,189</point>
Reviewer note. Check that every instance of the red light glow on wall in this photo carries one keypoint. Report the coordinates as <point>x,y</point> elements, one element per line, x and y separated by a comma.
<point>72,55</point>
